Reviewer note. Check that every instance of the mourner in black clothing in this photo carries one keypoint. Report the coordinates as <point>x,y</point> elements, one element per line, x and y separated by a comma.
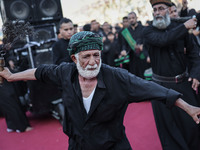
<point>106,27</point>
<point>185,11</point>
<point>60,54</point>
<point>111,50</point>
<point>96,96</point>
<point>10,105</point>
<point>166,41</point>
<point>136,64</point>
<point>125,24</point>
<point>95,28</point>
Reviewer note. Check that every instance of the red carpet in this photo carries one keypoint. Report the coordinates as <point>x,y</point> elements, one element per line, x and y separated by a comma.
<point>47,133</point>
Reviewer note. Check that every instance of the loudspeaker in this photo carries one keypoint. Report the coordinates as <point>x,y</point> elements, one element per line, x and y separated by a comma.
<point>33,11</point>
<point>48,10</point>
<point>45,35</point>
<point>17,10</point>
<point>43,57</point>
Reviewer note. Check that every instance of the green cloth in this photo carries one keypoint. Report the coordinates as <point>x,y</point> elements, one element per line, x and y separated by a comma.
<point>83,41</point>
<point>122,60</point>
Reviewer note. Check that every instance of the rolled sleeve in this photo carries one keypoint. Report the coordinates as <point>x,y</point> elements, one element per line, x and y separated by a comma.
<point>48,74</point>
<point>172,96</point>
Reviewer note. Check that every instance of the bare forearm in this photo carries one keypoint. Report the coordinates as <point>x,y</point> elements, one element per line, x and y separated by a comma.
<point>182,104</point>
<point>193,111</point>
<point>24,75</point>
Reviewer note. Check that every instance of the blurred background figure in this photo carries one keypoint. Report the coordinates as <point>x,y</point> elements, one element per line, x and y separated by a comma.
<point>87,27</point>
<point>111,49</point>
<point>185,11</point>
<point>106,29</point>
<point>137,64</point>
<point>125,24</point>
<point>75,28</point>
<point>95,28</point>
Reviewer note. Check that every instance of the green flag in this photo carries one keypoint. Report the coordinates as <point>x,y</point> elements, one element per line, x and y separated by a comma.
<point>127,35</point>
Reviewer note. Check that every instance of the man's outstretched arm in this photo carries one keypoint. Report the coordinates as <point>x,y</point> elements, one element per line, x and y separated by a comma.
<point>193,111</point>
<point>24,75</point>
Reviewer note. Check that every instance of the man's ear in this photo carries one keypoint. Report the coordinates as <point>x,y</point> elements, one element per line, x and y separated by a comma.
<point>73,58</point>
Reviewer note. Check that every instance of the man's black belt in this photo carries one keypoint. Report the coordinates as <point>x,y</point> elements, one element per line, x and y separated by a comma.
<point>176,79</point>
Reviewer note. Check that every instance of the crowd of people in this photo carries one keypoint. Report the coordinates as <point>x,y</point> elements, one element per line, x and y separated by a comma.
<point>87,68</point>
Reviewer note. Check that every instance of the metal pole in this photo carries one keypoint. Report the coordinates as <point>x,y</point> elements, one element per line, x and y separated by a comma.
<point>30,53</point>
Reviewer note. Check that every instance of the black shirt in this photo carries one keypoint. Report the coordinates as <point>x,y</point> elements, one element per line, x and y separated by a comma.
<point>166,50</point>
<point>102,128</point>
<point>60,52</point>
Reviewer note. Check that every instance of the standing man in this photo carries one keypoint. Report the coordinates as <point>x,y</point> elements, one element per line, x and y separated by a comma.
<point>125,24</point>
<point>166,41</point>
<point>185,11</point>
<point>66,29</point>
<point>95,28</point>
<point>96,96</point>
<point>137,65</point>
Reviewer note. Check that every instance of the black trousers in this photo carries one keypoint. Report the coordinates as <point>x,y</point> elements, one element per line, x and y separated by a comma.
<point>11,108</point>
<point>176,129</point>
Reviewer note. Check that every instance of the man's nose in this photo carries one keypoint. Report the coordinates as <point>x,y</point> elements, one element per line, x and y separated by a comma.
<point>157,12</point>
<point>92,61</point>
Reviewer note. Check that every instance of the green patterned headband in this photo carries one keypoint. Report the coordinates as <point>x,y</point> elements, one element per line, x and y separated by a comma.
<point>83,41</point>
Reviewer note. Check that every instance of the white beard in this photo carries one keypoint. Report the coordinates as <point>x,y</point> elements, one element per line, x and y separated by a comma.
<point>84,72</point>
<point>161,23</point>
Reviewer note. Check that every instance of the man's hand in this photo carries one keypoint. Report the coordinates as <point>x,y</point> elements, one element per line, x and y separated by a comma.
<point>195,83</point>
<point>138,48</point>
<point>123,53</point>
<point>193,111</point>
<point>148,59</point>
<point>20,76</point>
<point>191,23</point>
<point>5,73</point>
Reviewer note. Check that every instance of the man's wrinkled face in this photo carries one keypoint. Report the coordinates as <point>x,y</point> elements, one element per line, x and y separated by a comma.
<point>67,30</point>
<point>161,16</point>
<point>88,63</point>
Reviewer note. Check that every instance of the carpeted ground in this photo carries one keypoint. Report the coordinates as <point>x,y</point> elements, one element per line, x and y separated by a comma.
<point>47,133</point>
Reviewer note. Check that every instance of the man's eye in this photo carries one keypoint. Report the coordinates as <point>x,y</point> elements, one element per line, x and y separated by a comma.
<point>85,56</point>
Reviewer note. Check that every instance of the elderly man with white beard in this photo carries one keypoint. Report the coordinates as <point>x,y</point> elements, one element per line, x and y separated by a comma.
<point>176,68</point>
<point>96,96</point>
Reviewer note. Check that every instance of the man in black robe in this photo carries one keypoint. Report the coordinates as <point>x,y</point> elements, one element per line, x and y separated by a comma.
<point>111,50</point>
<point>166,41</point>
<point>97,124</point>
<point>59,49</point>
<point>125,24</point>
<point>185,11</point>
<point>136,65</point>
<point>10,106</point>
